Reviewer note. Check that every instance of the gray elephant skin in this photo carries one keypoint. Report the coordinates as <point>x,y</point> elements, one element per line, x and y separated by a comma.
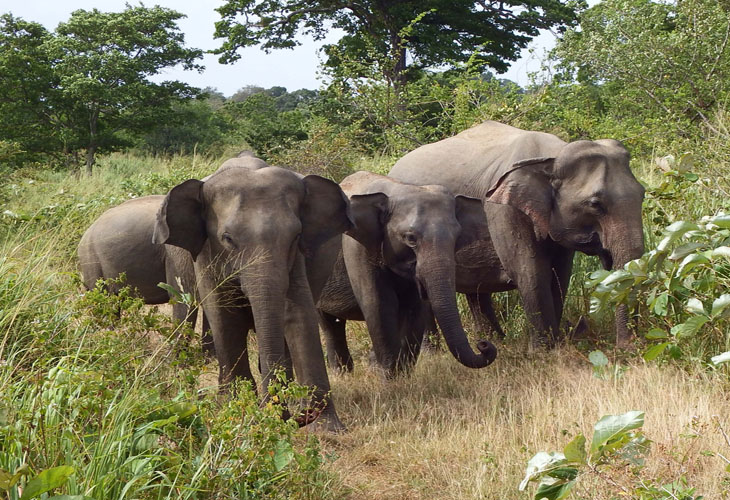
<point>248,227</point>
<point>120,241</point>
<point>552,199</point>
<point>397,258</point>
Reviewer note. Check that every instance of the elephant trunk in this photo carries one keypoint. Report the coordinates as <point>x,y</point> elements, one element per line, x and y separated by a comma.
<point>266,287</point>
<point>438,278</point>
<point>624,242</point>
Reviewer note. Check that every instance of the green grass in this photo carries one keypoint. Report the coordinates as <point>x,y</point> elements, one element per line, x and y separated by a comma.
<point>124,399</point>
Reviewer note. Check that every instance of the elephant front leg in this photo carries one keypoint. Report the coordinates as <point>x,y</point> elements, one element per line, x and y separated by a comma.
<point>229,323</point>
<point>302,337</point>
<point>562,267</point>
<point>338,353</point>
<point>482,311</point>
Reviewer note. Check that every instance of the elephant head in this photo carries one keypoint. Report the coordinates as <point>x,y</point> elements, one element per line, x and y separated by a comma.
<point>248,226</point>
<point>584,199</point>
<point>415,231</point>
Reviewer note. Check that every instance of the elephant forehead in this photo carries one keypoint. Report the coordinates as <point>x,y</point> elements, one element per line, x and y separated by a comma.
<point>266,183</point>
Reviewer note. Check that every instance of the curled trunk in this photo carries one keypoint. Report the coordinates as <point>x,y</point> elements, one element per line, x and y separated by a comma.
<point>438,279</point>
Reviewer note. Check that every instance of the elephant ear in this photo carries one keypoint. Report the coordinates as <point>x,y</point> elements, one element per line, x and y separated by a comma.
<point>180,218</point>
<point>527,186</point>
<point>325,213</point>
<point>472,219</point>
<point>368,212</point>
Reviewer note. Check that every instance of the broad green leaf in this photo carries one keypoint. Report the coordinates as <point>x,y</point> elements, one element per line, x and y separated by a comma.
<point>721,252</point>
<point>5,478</point>
<point>283,454</point>
<point>553,489</point>
<point>674,232</point>
<point>689,327</point>
<point>690,262</point>
<point>685,162</point>
<point>720,304</point>
<point>184,409</point>
<point>575,451</point>
<point>597,358</point>
<point>637,268</point>
<point>612,426</point>
<point>46,481</point>
<point>596,277</point>
<point>656,333</point>
<point>660,304</point>
<point>684,250</point>
<point>721,358</point>
<point>540,463</point>
<point>654,351</point>
<point>695,306</point>
<point>616,277</point>
<point>722,221</point>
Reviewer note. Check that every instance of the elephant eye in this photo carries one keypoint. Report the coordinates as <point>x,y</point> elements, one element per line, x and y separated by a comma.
<point>227,239</point>
<point>410,239</point>
<point>595,204</point>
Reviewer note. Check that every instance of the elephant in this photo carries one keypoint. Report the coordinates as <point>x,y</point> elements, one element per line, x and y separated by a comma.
<point>549,199</point>
<point>395,264</point>
<point>248,228</point>
<point>120,241</point>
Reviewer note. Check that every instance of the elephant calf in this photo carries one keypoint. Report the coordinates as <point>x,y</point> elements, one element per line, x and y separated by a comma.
<point>397,259</point>
<point>120,241</point>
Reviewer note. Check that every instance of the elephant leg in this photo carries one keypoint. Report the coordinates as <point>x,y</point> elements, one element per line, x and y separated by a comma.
<point>411,325</point>
<point>431,337</point>
<point>338,353</point>
<point>482,311</point>
<point>229,322</point>
<point>207,336</point>
<point>302,337</point>
<point>562,266</point>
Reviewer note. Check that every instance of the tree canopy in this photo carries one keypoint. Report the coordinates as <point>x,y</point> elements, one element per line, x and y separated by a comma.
<point>432,32</point>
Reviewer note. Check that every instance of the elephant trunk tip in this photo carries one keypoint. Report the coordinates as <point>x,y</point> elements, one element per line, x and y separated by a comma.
<point>488,350</point>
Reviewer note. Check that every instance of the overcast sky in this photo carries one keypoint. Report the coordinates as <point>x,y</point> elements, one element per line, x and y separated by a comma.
<point>293,69</point>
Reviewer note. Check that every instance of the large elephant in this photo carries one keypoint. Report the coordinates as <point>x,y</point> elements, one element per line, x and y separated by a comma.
<point>120,241</point>
<point>397,258</point>
<point>248,228</point>
<point>554,198</point>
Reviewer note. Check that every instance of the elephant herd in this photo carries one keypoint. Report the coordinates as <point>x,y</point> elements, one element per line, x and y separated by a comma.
<point>263,248</point>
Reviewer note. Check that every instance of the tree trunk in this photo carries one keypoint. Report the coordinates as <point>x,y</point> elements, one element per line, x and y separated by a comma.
<point>93,145</point>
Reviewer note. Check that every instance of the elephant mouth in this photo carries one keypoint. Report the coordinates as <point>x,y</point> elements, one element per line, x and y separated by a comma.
<point>589,244</point>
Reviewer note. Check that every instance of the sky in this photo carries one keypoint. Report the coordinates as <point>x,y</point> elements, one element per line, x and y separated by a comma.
<point>293,69</point>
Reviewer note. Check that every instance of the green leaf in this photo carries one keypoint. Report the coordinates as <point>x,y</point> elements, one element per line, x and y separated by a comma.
<point>540,464</point>
<point>720,304</point>
<point>722,221</point>
<point>721,252</point>
<point>46,481</point>
<point>660,304</point>
<point>7,480</point>
<point>597,358</point>
<point>596,277</point>
<point>695,306</point>
<point>656,333</point>
<point>674,232</point>
<point>553,489</point>
<point>283,454</point>
<point>575,451</point>
<point>654,351</point>
<point>684,250</point>
<point>721,358</point>
<point>689,327</point>
<point>616,277</point>
<point>690,262</point>
<point>612,426</point>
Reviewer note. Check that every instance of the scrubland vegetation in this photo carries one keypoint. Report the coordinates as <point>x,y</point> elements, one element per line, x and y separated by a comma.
<point>102,397</point>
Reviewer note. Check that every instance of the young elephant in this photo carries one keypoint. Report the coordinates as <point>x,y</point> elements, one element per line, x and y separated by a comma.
<point>399,255</point>
<point>248,230</point>
<point>120,241</point>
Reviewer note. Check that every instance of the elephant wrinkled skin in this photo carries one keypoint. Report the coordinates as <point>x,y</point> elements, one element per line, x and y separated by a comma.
<point>552,198</point>
<point>398,257</point>
<point>248,226</point>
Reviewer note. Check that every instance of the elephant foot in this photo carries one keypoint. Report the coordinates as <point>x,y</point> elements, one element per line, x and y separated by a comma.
<point>542,343</point>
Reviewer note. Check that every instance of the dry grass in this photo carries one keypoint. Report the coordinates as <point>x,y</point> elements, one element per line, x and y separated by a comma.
<point>449,432</point>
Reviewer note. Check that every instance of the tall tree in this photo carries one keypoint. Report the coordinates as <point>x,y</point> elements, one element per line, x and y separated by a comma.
<point>103,61</point>
<point>432,32</point>
<point>26,85</point>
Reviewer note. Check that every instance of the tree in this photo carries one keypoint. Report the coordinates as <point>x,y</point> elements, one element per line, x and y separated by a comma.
<point>103,62</point>
<point>668,61</point>
<point>26,86</point>
<point>432,32</point>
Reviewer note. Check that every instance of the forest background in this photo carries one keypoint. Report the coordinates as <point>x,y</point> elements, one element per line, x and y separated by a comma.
<point>87,413</point>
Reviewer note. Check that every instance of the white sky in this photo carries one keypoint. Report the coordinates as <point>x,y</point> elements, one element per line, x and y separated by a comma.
<point>293,69</point>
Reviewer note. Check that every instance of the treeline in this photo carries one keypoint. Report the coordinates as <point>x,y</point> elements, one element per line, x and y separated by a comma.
<point>652,74</point>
